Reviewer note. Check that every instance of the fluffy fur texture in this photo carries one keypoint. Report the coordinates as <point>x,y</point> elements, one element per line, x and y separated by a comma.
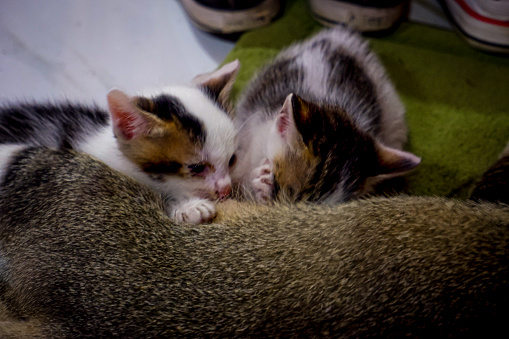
<point>321,122</point>
<point>178,140</point>
<point>86,251</point>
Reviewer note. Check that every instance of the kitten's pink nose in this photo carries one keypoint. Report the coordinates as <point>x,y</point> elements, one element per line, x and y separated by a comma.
<point>222,186</point>
<point>224,191</point>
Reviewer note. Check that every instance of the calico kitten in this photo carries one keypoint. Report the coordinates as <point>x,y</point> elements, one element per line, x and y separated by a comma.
<point>321,122</point>
<point>87,252</point>
<point>178,141</point>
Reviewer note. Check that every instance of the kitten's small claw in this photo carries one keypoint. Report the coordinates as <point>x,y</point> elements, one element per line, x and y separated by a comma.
<point>195,211</point>
<point>263,182</point>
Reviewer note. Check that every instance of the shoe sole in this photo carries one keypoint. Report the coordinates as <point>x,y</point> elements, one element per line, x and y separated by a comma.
<point>358,17</point>
<point>220,21</point>
<point>481,32</point>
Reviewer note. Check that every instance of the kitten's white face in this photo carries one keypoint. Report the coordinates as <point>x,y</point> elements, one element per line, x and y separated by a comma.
<point>180,136</point>
<point>216,157</point>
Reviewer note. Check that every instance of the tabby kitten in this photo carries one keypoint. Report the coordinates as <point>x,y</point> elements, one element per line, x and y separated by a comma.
<point>86,251</point>
<point>179,141</point>
<point>321,122</point>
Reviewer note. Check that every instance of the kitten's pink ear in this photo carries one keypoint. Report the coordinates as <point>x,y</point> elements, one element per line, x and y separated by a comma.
<point>294,119</point>
<point>285,122</point>
<point>128,120</point>
<point>219,83</point>
<point>393,162</point>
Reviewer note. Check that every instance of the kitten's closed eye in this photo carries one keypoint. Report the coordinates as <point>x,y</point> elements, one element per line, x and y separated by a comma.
<point>162,167</point>
<point>197,169</point>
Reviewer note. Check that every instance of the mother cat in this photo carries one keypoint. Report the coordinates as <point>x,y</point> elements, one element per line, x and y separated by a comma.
<point>87,251</point>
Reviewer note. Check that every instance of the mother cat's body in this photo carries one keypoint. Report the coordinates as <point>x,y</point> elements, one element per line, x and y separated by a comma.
<point>85,250</point>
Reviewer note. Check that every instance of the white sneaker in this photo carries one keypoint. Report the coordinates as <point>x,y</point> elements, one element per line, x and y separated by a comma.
<point>361,15</point>
<point>483,23</point>
<point>232,16</point>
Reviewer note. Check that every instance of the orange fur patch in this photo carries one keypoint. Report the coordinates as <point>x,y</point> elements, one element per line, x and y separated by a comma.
<point>170,144</point>
<point>293,170</point>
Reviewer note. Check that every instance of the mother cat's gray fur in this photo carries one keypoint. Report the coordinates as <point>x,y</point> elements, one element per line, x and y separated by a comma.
<point>86,251</point>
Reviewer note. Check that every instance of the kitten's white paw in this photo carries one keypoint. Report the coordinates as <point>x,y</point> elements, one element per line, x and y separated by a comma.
<point>263,182</point>
<point>194,211</point>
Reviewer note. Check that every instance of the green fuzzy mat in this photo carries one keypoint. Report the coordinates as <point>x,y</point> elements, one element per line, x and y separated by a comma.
<point>457,98</point>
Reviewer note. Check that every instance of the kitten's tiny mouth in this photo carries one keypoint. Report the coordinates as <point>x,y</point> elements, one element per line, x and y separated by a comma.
<point>203,194</point>
<point>214,195</point>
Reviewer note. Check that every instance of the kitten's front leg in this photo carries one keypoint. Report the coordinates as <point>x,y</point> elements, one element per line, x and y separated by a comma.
<point>193,211</point>
<point>263,182</point>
